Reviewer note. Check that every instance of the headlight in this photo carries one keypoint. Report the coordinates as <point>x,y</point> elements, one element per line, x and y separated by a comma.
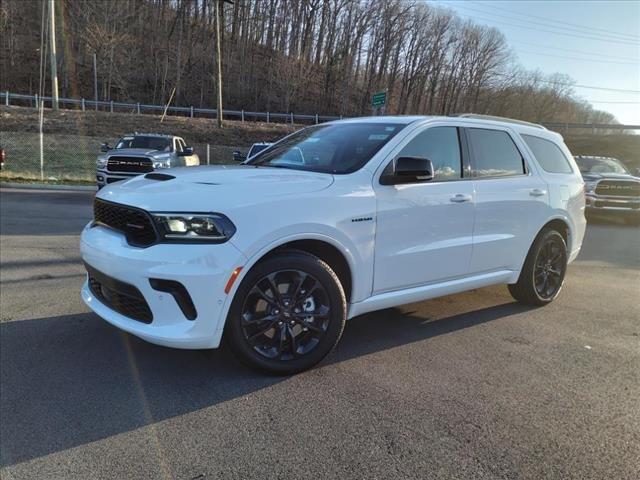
<point>101,162</point>
<point>196,227</point>
<point>161,163</point>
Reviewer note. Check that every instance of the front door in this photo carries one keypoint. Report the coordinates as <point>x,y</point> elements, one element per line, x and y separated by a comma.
<point>424,230</point>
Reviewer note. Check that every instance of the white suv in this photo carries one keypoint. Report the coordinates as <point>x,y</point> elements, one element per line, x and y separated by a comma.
<point>331,222</point>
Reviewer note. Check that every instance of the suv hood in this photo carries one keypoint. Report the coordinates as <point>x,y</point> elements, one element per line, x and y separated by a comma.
<point>134,152</point>
<point>216,188</point>
<point>608,176</point>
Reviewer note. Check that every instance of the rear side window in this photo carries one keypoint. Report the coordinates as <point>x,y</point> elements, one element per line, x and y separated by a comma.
<point>548,155</point>
<point>494,153</point>
<point>441,146</point>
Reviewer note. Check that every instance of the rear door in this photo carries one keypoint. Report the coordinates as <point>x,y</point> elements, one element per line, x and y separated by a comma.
<point>511,199</point>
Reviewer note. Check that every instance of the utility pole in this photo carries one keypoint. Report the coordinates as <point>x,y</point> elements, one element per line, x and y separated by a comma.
<point>218,55</point>
<point>54,62</point>
<point>95,78</point>
<point>218,12</point>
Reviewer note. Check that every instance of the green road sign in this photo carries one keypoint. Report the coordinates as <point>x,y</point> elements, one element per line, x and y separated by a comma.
<point>379,99</point>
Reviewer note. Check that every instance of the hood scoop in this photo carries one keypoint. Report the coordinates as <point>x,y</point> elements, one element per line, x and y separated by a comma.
<point>159,176</point>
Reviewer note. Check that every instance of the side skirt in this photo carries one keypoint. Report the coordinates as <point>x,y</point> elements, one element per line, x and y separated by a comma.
<point>425,292</point>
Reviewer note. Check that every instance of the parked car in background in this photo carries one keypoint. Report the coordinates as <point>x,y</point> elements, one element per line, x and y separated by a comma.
<point>139,153</point>
<point>611,190</point>
<point>365,214</point>
<point>256,148</point>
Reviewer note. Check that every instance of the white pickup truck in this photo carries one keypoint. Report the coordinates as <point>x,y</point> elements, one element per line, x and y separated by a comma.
<point>139,153</point>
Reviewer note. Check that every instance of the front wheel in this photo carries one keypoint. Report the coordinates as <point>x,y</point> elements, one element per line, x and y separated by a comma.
<point>544,269</point>
<point>287,315</point>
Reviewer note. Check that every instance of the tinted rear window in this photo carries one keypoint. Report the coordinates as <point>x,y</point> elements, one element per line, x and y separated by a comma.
<point>548,155</point>
<point>494,153</point>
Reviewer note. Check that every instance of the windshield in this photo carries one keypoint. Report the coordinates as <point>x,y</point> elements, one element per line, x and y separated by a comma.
<point>257,148</point>
<point>162,144</point>
<point>600,165</point>
<point>332,148</point>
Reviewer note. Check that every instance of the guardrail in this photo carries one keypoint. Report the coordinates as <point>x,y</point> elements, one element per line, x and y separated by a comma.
<point>140,108</point>
<point>592,126</point>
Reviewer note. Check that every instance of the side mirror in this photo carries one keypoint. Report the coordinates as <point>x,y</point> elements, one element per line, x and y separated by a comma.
<point>105,147</point>
<point>409,170</point>
<point>238,156</point>
<point>637,172</point>
<point>187,152</point>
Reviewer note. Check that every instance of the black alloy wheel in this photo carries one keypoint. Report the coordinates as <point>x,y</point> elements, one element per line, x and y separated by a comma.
<point>549,269</point>
<point>543,272</point>
<point>287,314</point>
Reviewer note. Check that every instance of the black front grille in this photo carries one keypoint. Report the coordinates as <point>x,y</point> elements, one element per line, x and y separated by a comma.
<point>618,188</point>
<point>136,224</point>
<point>119,296</point>
<point>129,164</point>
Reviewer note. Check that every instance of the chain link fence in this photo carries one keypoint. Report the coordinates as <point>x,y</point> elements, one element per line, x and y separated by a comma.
<point>58,157</point>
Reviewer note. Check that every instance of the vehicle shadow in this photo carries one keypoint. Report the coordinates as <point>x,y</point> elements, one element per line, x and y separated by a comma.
<point>70,380</point>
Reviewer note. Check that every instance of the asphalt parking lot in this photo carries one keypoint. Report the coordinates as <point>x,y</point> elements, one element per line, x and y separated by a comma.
<point>466,386</point>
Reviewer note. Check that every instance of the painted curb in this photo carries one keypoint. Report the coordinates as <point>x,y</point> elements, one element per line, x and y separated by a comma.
<point>44,186</point>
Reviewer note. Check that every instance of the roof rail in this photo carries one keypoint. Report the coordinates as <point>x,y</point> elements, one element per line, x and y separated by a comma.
<point>149,134</point>
<point>498,119</point>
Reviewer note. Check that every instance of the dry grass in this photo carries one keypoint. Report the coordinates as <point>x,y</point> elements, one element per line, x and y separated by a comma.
<point>113,125</point>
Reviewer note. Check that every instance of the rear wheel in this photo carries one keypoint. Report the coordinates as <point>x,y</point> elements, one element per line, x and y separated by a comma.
<point>544,269</point>
<point>287,314</point>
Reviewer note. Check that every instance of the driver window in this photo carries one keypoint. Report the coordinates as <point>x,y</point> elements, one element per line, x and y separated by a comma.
<point>440,145</point>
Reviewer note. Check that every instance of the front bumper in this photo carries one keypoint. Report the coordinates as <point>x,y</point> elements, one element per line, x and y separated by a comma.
<point>203,270</point>
<point>104,177</point>
<point>612,206</point>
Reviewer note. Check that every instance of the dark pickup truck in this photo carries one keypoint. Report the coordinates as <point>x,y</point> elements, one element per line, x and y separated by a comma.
<point>610,189</point>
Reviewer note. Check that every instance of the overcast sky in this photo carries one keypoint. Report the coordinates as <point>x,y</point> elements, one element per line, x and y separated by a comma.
<point>597,43</point>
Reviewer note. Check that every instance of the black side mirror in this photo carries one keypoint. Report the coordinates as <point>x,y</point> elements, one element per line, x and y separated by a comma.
<point>409,170</point>
<point>186,152</point>
<point>105,147</point>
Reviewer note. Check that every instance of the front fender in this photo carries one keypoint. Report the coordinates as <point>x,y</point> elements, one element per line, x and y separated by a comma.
<point>361,268</point>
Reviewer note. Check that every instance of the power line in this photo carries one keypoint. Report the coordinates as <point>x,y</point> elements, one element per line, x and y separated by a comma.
<point>475,17</point>
<point>568,34</point>
<point>590,87</point>
<point>584,27</point>
<point>581,52</point>
<point>597,101</point>
<point>591,60</point>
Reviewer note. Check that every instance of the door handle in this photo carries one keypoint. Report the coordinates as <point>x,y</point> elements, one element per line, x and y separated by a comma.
<point>537,192</point>
<point>460,198</point>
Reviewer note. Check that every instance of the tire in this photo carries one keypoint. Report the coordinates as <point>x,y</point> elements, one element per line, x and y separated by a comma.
<point>546,261</point>
<point>291,328</point>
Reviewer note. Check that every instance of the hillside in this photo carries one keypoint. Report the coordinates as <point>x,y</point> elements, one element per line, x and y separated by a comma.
<point>109,126</point>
